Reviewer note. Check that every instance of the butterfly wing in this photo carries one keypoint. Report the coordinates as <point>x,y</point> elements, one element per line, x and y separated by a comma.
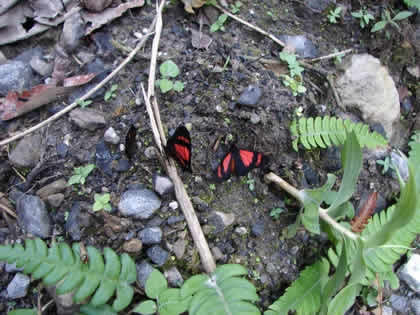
<point>246,160</point>
<point>226,167</point>
<point>179,147</point>
<point>130,142</point>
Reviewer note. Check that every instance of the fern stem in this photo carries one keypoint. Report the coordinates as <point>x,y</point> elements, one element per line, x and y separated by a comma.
<point>323,214</point>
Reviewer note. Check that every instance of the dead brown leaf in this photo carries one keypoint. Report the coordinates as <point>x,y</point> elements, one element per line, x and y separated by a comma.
<point>189,5</point>
<point>277,68</point>
<point>18,103</point>
<point>95,5</point>
<point>107,15</point>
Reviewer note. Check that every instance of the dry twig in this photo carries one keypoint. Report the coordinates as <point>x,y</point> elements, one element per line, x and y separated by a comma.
<point>159,136</point>
<point>88,94</point>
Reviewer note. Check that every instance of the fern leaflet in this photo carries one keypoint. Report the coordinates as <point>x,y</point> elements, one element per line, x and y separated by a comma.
<point>62,263</point>
<point>323,132</point>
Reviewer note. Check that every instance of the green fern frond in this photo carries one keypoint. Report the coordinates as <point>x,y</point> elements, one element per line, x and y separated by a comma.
<point>414,145</point>
<point>62,263</point>
<point>323,132</point>
<point>223,292</point>
<point>412,3</point>
<point>304,295</point>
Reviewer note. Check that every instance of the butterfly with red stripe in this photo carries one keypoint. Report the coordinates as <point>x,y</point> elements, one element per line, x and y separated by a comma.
<point>179,147</point>
<point>239,162</point>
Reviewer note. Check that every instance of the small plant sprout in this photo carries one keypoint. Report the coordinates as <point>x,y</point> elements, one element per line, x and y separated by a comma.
<point>218,25</point>
<point>236,7</point>
<point>111,92</point>
<point>80,174</point>
<point>339,58</point>
<point>84,103</point>
<point>275,213</point>
<point>212,187</point>
<point>168,70</point>
<point>250,182</point>
<point>102,202</point>
<point>364,17</point>
<point>294,80</point>
<point>386,19</point>
<point>386,164</point>
<point>333,15</point>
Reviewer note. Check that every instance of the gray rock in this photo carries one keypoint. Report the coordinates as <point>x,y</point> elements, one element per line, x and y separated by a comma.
<point>143,269</point>
<point>27,152</point>
<point>15,76</point>
<point>367,87</point>
<point>173,219</point>
<point>399,303</point>
<point>174,277</point>
<point>55,200</point>
<point>226,218</point>
<point>72,226</point>
<point>303,46</point>
<point>162,185</point>
<point>73,31</point>
<point>52,188</point>
<point>111,136</point>
<point>257,228</point>
<point>139,203</point>
<point>241,230</point>
<point>158,255</point>
<point>151,152</point>
<point>12,268</point>
<point>18,287</point>
<point>250,96</point>
<point>217,253</point>
<point>415,306</point>
<point>401,162</point>
<point>132,246</point>
<point>179,248</point>
<point>410,273</point>
<point>386,310</point>
<point>33,218</point>
<point>151,235</point>
<point>255,119</point>
<point>87,118</point>
<point>319,5</point>
<point>41,66</point>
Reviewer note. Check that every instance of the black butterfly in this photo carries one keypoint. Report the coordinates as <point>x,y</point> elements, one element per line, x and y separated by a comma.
<point>130,142</point>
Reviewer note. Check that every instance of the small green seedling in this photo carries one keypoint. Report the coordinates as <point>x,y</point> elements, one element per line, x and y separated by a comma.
<point>169,69</point>
<point>212,187</point>
<point>80,174</point>
<point>386,19</point>
<point>218,25</point>
<point>386,164</point>
<point>250,182</point>
<point>364,17</point>
<point>334,15</point>
<point>102,202</point>
<point>295,85</point>
<point>111,93</point>
<point>339,58</point>
<point>236,7</point>
<point>84,103</point>
<point>275,213</point>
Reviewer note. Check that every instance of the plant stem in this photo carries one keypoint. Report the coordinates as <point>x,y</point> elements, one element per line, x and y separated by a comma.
<point>323,214</point>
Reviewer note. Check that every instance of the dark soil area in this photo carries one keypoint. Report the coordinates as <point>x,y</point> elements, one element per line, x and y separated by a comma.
<point>214,79</point>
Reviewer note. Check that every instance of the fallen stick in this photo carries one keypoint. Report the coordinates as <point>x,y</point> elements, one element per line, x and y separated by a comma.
<point>181,194</point>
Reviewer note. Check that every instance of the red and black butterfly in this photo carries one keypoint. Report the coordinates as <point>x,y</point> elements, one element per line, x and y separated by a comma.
<point>238,162</point>
<point>179,147</point>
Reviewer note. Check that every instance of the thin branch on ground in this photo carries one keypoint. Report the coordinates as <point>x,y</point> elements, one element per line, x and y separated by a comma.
<point>254,27</point>
<point>88,94</point>
<point>7,210</point>
<point>181,194</point>
<point>323,214</point>
<point>333,55</point>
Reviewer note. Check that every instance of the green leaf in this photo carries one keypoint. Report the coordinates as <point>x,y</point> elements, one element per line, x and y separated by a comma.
<point>170,302</point>
<point>165,85</point>
<point>335,282</point>
<point>351,156</point>
<point>75,179</point>
<point>145,308</point>
<point>155,284</point>
<point>357,14</point>
<point>89,309</point>
<point>344,299</point>
<point>193,285</point>
<point>22,311</point>
<point>378,26</point>
<point>178,86</point>
<point>169,69</point>
<point>312,199</point>
<point>402,15</point>
<point>304,295</point>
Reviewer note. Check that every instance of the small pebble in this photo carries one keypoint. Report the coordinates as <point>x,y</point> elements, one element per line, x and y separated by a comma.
<point>111,136</point>
<point>158,255</point>
<point>173,205</point>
